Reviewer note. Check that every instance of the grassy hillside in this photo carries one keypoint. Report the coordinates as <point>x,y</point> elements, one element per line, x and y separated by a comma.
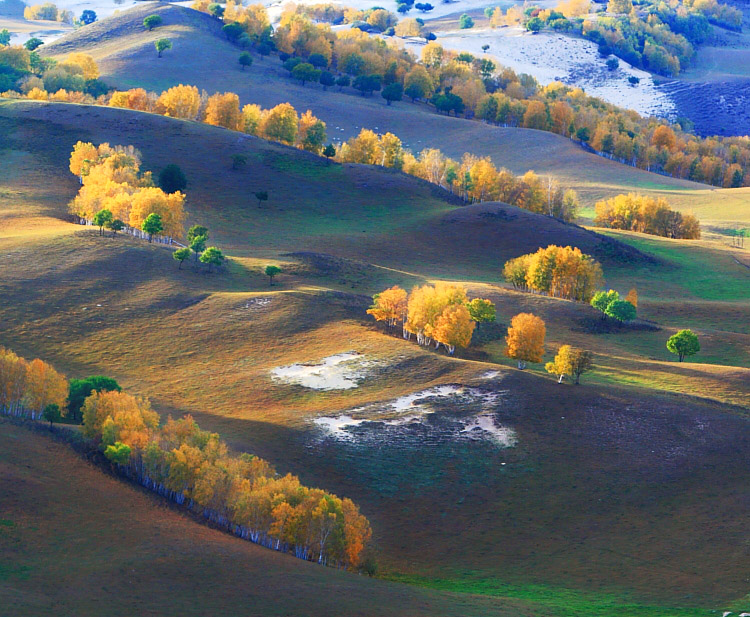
<point>134,554</point>
<point>125,52</point>
<point>622,476</point>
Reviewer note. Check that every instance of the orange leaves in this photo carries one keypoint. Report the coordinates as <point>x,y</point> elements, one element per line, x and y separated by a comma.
<point>389,306</point>
<point>169,206</point>
<point>45,386</point>
<point>454,327</point>
<point>632,297</point>
<point>118,416</point>
<point>525,339</point>
<point>224,110</point>
<point>647,215</point>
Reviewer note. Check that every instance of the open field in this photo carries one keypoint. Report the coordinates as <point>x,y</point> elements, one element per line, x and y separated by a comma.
<point>133,554</point>
<point>126,55</point>
<point>612,500</point>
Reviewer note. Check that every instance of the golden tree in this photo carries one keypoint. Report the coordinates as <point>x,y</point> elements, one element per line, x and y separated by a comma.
<point>85,63</point>
<point>389,306</point>
<point>44,386</point>
<point>525,339</point>
<point>280,124</point>
<point>632,297</point>
<point>224,110</point>
<point>454,327</point>
<point>570,361</point>
<point>169,206</point>
<point>179,102</point>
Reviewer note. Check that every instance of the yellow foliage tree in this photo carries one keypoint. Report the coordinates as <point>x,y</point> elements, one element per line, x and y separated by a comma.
<point>389,306</point>
<point>169,206</point>
<point>86,63</point>
<point>179,102</point>
<point>118,416</point>
<point>454,327</point>
<point>280,124</point>
<point>224,110</point>
<point>570,361</point>
<point>44,386</point>
<point>525,339</point>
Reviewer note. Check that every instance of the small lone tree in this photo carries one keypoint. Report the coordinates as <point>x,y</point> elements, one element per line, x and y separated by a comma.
<point>621,310</point>
<point>171,179</point>
<point>485,48</point>
<point>465,22</point>
<point>52,413</point>
<point>392,92</point>
<point>245,59</point>
<point>213,257</point>
<point>152,225</point>
<point>114,226</point>
<point>181,255</point>
<point>238,161</point>
<point>329,152</point>
<point>261,196</point>
<point>152,21</point>
<point>162,45</point>
<point>88,17</point>
<point>570,361</point>
<point>272,271</point>
<point>102,218</point>
<point>525,339</point>
<point>684,343</point>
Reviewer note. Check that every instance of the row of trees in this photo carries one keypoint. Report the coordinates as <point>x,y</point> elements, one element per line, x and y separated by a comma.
<point>472,178</point>
<point>197,239</point>
<point>30,389</point>
<point>117,193</point>
<point>462,83</point>
<point>562,272</point>
<point>242,492</point>
<point>441,314</point>
<point>646,214</point>
<point>47,12</point>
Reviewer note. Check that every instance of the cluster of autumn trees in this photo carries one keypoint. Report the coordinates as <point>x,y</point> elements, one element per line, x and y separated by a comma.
<point>23,72</point>
<point>242,493</point>
<point>646,215</point>
<point>472,178</point>
<point>562,272</point>
<point>464,84</point>
<point>47,12</point>
<point>115,189</point>
<point>439,313</point>
<point>31,389</point>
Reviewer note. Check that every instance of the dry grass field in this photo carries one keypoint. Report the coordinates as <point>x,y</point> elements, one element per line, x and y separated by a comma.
<point>616,500</point>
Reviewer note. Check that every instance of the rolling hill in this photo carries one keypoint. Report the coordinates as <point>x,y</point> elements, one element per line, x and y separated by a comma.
<point>202,57</point>
<point>587,513</point>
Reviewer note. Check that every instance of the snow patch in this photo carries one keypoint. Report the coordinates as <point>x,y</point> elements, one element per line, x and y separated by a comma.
<point>342,371</point>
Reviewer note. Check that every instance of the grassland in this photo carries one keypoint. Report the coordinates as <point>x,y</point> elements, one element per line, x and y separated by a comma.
<point>202,57</point>
<point>618,499</point>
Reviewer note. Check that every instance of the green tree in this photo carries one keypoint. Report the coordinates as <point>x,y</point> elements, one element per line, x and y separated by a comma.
<point>684,343</point>
<point>213,257</point>
<point>305,72</point>
<point>4,37</point>
<point>602,299</point>
<point>327,79</point>
<point>367,84</point>
<point>80,389</point>
<point>181,255</point>
<point>52,413</point>
<point>114,226</point>
<point>233,31</point>
<point>152,225</point>
<point>534,24</point>
<point>216,10</point>
<point>621,310</point>
<point>33,43</point>
<point>245,59</point>
<point>102,219</point>
<point>88,17</point>
<point>261,196</point>
<point>465,22</point>
<point>118,453</point>
<point>343,82</point>
<point>272,271</point>
<point>392,92</point>
<point>195,231</point>
<point>238,161</point>
<point>329,152</point>
<point>319,61</point>
<point>152,21</point>
<point>162,45</point>
<point>171,179</point>
<point>481,310</point>
<point>198,245</point>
